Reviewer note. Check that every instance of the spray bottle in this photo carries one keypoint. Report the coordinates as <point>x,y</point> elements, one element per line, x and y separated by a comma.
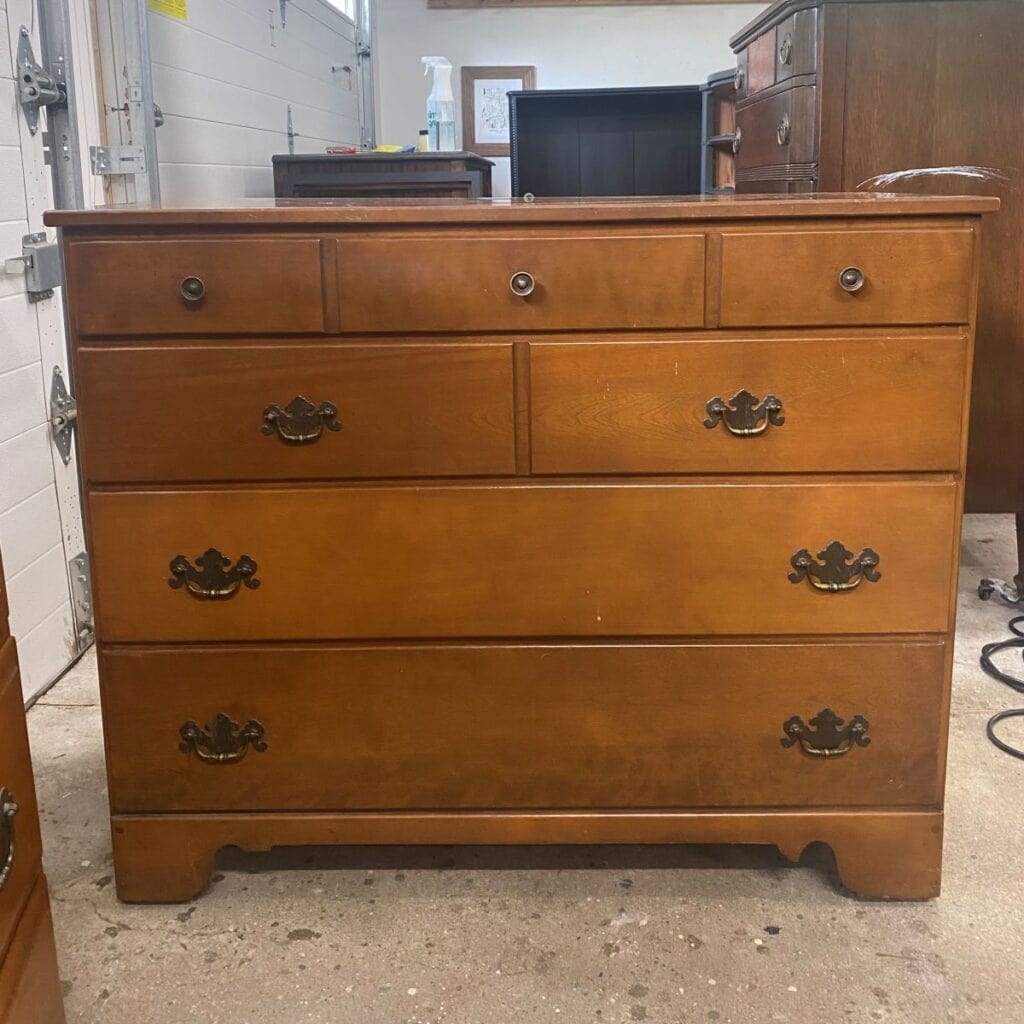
<point>440,105</point>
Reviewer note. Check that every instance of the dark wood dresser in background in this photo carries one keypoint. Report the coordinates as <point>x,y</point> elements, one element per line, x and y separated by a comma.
<point>30,991</point>
<point>833,93</point>
<point>550,522</point>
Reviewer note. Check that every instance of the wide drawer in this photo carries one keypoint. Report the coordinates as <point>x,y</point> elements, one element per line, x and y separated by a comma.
<point>521,560</point>
<point>30,988</point>
<point>245,285</point>
<point>777,278</point>
<point>20,846</point>
<point>295,411</point>
<point>556,726</point>
<point>465,283</point>
<point>773,405</point>
<point>779,129</point>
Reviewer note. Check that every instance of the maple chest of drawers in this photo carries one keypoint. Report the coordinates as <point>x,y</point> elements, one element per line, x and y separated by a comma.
<point>553,522</point>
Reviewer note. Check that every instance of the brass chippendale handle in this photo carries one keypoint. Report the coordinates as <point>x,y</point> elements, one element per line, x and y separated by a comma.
<point>851,279</point>
<point>827,735</point>
<point>744,414</point>
<point>300,421</point>
<point>782,133</point>
<point>8,809</point>
<point>212,577</point>
<point>193,290</point>
<point>522,283</point>
<point>221,741</point>
<point>835,572</point>
<point>786,49</point>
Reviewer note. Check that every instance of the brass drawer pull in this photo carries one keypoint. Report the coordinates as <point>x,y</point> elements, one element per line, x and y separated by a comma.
<point>737,140</point>
<point>743,415</point>
<point>212,577</point>
<point>827,735</point>
<point>193,291</point>
<point>851,279</point>
<point>8,809</point>
<point>522,283</point>
<point>786,49</point>
<point>835,572</point>
<point>222,741</point>
<point>740,80</point>
<point>782,133</point>
<point>300,421</point>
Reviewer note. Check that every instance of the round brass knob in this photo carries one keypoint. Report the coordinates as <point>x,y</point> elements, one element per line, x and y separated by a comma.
<point>786,49</point>
<point>193,289</point>
<point>737,140</point>
<point>741,79</point>
<point>851,279</point>
<point>522,283</point>
<point>783,131</point>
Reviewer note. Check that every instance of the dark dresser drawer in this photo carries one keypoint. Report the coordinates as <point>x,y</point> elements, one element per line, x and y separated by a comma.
<point>201,286</point>
<point>520,726</point>
<point>362,411</point>
<point>810,405</point>
<point>905,277</point>
<point>466,284</point>
<point>779,129</point>
<point>796,45</point>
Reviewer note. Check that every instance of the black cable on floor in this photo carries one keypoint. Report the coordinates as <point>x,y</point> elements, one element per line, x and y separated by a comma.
<point>988,666</point>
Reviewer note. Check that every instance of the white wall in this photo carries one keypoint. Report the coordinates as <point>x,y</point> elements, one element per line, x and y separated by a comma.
<point>571,47</point>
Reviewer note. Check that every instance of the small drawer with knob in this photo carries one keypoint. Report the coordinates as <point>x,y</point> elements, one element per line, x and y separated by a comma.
<point>777,130</point>
<point>796,45</point>
<point>202,286</point>
<point>859,277</point>
<point>533,282</point>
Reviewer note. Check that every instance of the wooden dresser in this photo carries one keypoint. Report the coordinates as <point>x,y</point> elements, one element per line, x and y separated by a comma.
<point>30,991</point>
<point>552,522</point>
<point>836,92</point>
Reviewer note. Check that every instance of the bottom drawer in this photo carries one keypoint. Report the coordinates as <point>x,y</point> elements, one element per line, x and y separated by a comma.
<point>540,726</point>
<point>30,989</point>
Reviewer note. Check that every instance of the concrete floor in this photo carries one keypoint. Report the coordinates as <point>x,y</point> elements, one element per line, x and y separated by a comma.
<point>594,935</point>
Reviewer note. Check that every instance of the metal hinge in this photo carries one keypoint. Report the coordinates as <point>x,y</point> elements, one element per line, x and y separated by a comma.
<point>106,160</point>
<point>40,263</point>
<point>37,87</point>
<point>363,50</point>
<point>63,415</point>
<point>81,603</point>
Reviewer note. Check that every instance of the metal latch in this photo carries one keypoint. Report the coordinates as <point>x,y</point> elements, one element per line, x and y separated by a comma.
<point>107,160</point>
<point>36,86</point>
<point>40,263</point>
<point>63,414</point>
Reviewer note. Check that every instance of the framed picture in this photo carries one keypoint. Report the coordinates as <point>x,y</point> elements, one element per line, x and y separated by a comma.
<point>485,128</point>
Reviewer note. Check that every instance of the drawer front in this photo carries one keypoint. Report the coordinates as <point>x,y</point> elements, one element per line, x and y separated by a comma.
<point>520,560</point>
<point>778,130</point>
<point>20,846</point>
<point>247,285</point>
<point>793,278</point>
<point>367,411</point>
<point>30,987</point>
<point>521,727</point>
<point>795,45</point>
<point>465,284</point>
<point>810,405</point>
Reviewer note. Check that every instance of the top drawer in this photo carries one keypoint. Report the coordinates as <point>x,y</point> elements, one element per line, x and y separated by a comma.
<point>788,50</point>
<point>203,286</point>
<point>520,284</point>
<point>817,278</point>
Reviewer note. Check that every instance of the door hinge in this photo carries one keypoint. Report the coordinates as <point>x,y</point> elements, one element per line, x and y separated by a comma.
<point>107,160</point>
<point>63,415</point>
<point>40,263</point>
<point>37,87</point>
<point>81,599</point>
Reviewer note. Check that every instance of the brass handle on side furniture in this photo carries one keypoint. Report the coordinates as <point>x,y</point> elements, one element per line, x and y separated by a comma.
<point>827,735</point>
<point>522,283</point>
<point>300,421</point>
<point>193,290</point>
<point>8,809</point>
<point>737,139</point>
<point>740,80</point>
<point>221,741</point>
<point>782,133</point>
<point>744,414</point>
<point>837,570</point>
<point>851,279</point>
<point>212,577</point>
<point>786,49</point>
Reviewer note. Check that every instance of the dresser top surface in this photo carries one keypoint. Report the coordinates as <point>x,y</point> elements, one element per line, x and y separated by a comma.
<point>330,212</point>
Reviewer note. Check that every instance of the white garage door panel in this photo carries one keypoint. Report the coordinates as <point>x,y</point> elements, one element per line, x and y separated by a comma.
<point>38,590</point>
<point>29,530</point>
<point>24,466</point>
<point>18,343</point>
<point>216,182</point>
<point>12,186</point>
<point>44,652</point>
<point>21,401</point>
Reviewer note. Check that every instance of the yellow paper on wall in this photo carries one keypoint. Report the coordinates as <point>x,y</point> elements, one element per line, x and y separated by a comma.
<point>173,8</point>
